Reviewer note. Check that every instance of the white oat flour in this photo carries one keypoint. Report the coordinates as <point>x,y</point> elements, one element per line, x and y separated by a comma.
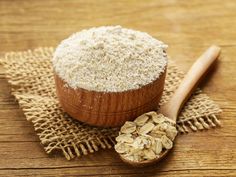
<point>109,59</point>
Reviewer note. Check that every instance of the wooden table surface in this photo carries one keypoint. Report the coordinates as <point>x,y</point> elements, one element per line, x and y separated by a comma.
<point>187,26</point>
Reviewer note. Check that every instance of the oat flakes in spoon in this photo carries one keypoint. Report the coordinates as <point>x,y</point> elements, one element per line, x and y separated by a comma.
<point>150,136</point>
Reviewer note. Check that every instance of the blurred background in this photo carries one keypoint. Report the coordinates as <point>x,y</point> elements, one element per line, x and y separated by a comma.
<point>182,24</point>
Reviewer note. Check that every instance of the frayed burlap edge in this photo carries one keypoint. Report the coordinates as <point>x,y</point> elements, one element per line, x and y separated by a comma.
<point>30,75</point>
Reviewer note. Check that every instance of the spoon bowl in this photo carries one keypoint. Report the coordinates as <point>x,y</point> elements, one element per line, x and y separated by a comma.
<point>146,162</point>
<point>172,108</point>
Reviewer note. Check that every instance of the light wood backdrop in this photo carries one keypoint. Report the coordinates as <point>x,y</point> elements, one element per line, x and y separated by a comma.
<point>187,26</point>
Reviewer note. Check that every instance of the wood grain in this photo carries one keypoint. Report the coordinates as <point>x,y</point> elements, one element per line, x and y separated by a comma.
<point>198,71</point>
<point>109,109</point>
<point>187,26</point>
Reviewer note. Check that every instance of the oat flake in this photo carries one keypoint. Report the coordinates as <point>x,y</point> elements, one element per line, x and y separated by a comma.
<point>146,137</point>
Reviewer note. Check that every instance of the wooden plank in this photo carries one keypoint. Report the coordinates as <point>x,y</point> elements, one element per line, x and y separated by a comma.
<point>48,31</point>
<point>107,171</point>
<point>189,152</point>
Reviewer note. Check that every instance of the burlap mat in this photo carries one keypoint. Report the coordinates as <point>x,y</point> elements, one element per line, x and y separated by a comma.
<point>31,77</point>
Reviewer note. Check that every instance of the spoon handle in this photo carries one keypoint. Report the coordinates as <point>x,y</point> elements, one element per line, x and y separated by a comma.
<point>198,70</point>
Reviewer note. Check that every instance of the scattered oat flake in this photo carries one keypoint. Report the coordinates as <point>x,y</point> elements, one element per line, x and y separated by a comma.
<point>158,146</point>
<point>124,138</point>
<point>120,148</point>
<point>158,118</point>
<point>149,154</point>
<point>146,128</point>
<point>128,127</point>
<point>141,120</point>
<point>171,132</point>
<point>166,142</point>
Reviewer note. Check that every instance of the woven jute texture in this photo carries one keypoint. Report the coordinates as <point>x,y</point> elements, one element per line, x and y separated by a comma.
<point>31,77</point>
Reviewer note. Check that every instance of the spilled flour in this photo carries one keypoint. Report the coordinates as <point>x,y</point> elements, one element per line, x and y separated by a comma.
<point>109,59</point>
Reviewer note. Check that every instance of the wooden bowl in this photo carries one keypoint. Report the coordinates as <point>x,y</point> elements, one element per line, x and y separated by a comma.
<point>109,109</point>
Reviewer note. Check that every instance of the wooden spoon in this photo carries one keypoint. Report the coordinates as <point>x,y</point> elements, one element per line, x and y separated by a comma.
<point>172,108</point>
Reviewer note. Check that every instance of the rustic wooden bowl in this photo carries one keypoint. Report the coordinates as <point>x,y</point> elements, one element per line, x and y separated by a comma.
<point>109,109</point>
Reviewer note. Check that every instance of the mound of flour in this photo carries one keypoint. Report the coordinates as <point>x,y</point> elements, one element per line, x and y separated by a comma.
<point>109,59</point>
